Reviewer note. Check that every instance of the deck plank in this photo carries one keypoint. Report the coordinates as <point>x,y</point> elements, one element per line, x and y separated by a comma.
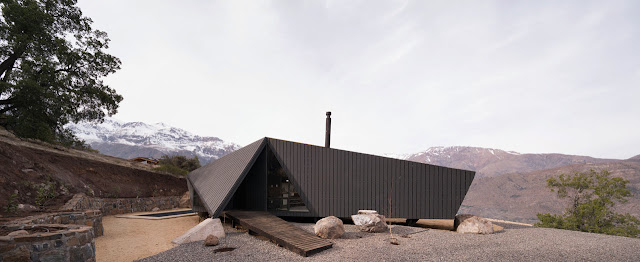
<point>280,231</point>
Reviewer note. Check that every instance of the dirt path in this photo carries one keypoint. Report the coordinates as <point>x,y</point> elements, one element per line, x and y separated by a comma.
<point>127,239</point>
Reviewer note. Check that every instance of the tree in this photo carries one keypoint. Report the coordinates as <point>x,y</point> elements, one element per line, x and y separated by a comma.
<point>178,165</point>
<point>592,196</point>
<point>52,67</point>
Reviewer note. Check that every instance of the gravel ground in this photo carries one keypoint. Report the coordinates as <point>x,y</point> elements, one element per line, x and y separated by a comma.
<point>514,243</point>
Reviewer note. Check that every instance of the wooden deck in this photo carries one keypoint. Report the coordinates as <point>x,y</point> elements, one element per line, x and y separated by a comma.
<point>279,231</point>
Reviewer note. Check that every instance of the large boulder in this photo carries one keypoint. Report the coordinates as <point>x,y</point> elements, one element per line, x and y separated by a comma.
<point>471,224</point>
<point>185,202</point>
<point>200,232</point>
<point>329,227</point>
<point>370,222</point>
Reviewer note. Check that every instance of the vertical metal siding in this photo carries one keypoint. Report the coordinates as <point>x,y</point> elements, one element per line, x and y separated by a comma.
<point>337,182</point>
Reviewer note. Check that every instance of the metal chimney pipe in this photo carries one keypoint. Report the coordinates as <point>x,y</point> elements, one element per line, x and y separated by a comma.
<point>327,137</point>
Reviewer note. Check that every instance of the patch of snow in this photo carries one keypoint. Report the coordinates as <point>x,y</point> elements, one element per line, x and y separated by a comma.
<point>158,136</point>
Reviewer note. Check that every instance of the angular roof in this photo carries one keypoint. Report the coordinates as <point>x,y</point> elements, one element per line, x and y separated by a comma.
<point>339,182</point>
<point>216,182</point>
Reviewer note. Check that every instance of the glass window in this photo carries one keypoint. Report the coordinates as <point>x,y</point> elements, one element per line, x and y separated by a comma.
<point>281,194</point>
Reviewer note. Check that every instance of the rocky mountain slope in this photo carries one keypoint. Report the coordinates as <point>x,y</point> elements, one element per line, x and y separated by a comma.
<point>31,169</point>
<point>520,196</point>
<point>489,162</point>
<point>138,139</point>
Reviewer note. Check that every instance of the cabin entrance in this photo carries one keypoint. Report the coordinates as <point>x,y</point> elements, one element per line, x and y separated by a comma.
<point>281,193</point>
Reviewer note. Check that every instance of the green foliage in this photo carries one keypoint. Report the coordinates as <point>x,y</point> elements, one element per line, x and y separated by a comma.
<point>45,192</point>
<point>52,63</point>
<point>182,162</point>
<point>178,165</point>
<point>12,204</point>
<point>138,192</point>
<point>593,196</point>
<point>172,170</point>
<point>116,191</point>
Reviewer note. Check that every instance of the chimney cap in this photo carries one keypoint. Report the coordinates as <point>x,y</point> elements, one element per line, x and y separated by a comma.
<point>328,113</point>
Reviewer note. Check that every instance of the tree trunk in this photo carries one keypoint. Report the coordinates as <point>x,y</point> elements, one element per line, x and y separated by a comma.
<point>7,64</point>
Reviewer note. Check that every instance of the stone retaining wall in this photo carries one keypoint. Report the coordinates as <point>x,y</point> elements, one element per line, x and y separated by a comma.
<point>62,243</point>
<point>116,206</point>
<point>92,218</point>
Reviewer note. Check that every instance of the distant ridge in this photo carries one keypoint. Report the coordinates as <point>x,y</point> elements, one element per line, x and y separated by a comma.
<point>520,196</point>
<point>489,162</point>
<point>139,139</point>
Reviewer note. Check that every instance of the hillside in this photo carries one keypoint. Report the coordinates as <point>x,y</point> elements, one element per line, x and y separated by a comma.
<point>489,162</point>
<point>29,166</point>
<point>520,196</point>
<point>138,139</point>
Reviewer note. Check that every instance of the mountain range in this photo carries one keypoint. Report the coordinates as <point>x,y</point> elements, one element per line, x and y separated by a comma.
<point>488,162</point>
<point>138,139</point>
<point>512,186</point>
<point>508,185</point>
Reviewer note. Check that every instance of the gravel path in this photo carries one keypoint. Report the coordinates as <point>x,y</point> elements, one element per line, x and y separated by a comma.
<point>514,243</point>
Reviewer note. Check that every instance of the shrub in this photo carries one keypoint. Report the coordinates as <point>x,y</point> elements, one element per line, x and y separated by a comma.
<point>12,203</point>
<point>44,193</point>
<point>178,165</point>
<point>593,196</point>
<point>172,170</point>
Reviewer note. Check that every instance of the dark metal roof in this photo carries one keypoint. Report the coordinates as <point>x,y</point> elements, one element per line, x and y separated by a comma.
<point>216,182</point>
<point>339,183</point>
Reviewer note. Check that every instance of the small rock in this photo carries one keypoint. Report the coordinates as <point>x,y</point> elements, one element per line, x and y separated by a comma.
<point>26,207</point>
<point>329,227</point>
<point>155,209</point>
<point>367,212</point>
<point>211,241</point>
<point>370,222</point>
<point>27,170</point>
<point>472,224</point>
<point>18,233</point>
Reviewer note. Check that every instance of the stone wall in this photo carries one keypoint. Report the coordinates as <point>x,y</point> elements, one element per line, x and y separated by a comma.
<point>48,242</point>
<point>116,206</point>
<point>92,218</point>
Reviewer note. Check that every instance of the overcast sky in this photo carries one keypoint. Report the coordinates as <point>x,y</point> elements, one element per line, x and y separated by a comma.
<point>399,77</point>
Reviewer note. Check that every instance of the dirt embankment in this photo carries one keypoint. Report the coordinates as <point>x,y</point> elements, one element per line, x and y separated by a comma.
<point>48,176</point>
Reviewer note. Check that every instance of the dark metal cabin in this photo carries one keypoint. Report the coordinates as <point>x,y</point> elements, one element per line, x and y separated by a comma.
<point>294,179</point>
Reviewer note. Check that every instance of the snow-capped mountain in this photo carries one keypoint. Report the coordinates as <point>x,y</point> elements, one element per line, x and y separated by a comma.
<point>488,162</point>
<point>139,139</point>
